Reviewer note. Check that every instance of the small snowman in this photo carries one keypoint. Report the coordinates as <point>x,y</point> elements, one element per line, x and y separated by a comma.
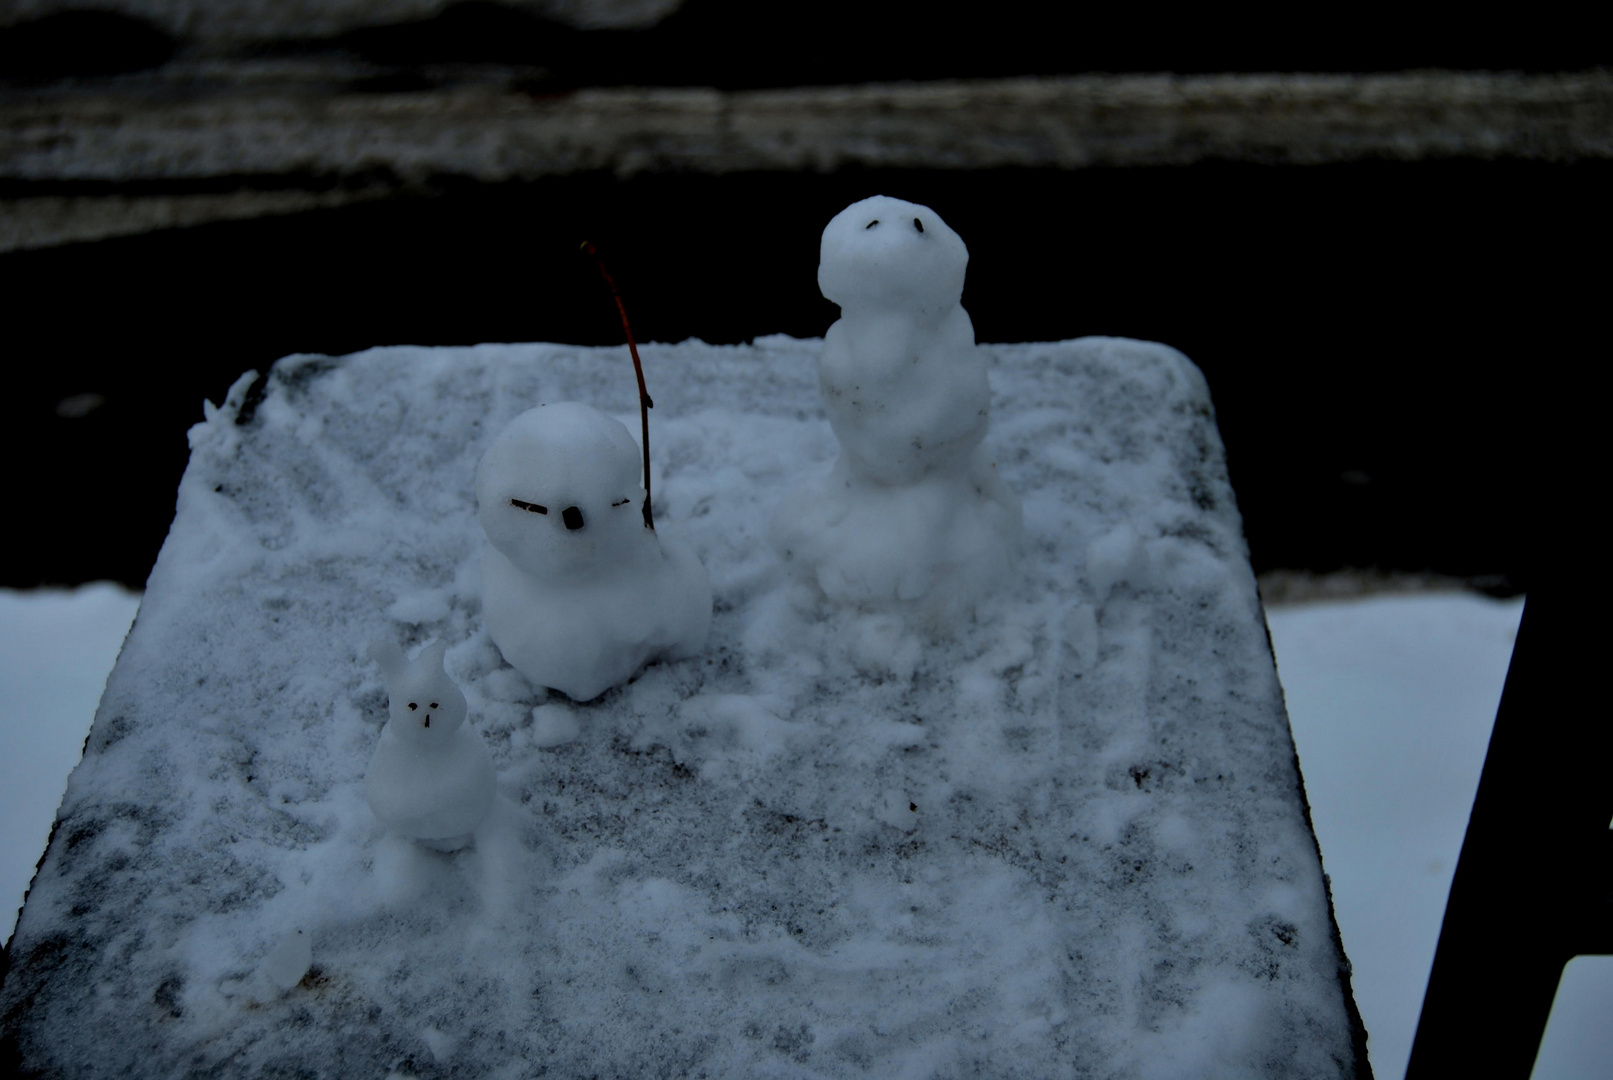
<point>432,779</point>
<point>580,591</point>
<point>913,513</point>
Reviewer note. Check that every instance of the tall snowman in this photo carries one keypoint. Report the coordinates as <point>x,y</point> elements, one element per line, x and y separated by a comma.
<point>913,514</point>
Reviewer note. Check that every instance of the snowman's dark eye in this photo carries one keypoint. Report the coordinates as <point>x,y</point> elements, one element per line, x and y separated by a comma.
<point>572,517</point>
<point>531,508</point>
<point>620,502</point>
<point>413,706</point>
<point>871,224</point>
<point>917,224</point>
<point>433,704</point>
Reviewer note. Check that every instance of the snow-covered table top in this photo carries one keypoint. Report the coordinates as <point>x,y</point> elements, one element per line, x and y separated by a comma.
<point>1068,841</point>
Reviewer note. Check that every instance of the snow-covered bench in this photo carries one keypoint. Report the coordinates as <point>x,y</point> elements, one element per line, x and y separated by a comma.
<point>1068,839</point>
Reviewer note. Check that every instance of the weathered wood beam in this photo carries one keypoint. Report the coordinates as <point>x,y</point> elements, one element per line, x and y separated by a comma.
<point>188,132</point>
<point>493,133</point>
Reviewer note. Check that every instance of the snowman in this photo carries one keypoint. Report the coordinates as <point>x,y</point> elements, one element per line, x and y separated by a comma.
<point>902,381</point>
<point>579,591</point>
<point>432,779</point>
<point>913,513</point>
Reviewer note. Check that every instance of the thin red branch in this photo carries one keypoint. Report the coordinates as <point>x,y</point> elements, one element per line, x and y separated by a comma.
<point>644,402</point>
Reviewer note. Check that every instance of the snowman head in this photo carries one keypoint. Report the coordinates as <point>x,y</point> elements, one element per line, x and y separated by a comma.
<point>885,253</point>
<point>559,492</point>
<point>424,705</point>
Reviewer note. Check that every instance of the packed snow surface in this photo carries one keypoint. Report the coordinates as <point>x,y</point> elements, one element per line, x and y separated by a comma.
<point>1417,656</point>
<point>1066,840</point>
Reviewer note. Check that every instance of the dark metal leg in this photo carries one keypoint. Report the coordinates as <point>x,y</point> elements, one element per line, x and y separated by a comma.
<point>1531,888</point>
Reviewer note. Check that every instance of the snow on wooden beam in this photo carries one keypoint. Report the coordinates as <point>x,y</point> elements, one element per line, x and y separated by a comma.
<point>1067,837</point>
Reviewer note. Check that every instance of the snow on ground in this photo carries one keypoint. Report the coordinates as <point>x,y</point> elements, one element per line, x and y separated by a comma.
<point>1067,840</point>
<point>1372,687</point>
<point>1396,695</point>
<point>1390,698</point>
<point>56,648</point>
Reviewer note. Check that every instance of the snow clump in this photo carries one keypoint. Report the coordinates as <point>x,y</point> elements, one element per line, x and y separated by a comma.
<point>578,593</point>
<point>432,778</point>
<point>913,512</point>
<point>1115,558</point>
<point>288,961</point>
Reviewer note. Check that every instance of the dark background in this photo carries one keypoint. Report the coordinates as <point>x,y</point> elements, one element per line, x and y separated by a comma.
<point>1386,342</point>
<point>734,44</point>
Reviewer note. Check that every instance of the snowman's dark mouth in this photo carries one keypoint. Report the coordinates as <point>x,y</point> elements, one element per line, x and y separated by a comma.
<point>531,508</point>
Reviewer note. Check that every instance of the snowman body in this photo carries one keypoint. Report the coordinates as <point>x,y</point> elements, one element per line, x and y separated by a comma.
<point>578,594</point>
<point>902,381</point>
<point>913,513</point>
<point>432,779</point>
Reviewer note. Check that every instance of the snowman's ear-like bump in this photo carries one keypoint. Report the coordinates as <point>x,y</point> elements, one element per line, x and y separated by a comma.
<point>431,656</point>
<point>386,653</point>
